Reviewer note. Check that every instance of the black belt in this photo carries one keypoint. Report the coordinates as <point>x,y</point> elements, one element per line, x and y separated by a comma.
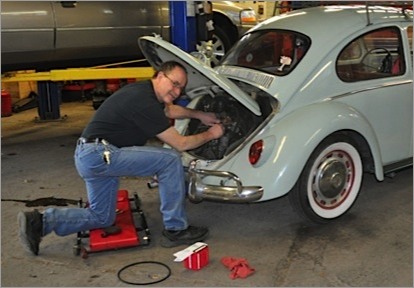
<point>90,140</point>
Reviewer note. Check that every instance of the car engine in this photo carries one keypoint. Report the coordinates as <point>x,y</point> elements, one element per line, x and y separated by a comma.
<point>238,121</point>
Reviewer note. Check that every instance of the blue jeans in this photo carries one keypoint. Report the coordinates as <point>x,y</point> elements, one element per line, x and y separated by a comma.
<point>102,184</point>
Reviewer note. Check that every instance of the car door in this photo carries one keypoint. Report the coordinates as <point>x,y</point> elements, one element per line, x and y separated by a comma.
<point>26,26</point>
<point>105,28</point>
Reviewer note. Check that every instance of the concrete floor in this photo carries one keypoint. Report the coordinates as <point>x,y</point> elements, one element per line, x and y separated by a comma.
<point>371,246</point>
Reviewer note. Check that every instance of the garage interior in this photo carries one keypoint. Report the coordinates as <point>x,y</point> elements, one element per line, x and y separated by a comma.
<point>372,245</point>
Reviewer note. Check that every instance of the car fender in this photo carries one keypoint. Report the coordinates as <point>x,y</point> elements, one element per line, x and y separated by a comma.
<point>290,140</point>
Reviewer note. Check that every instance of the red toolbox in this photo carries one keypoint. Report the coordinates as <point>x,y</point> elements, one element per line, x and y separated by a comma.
<point>129,230</point>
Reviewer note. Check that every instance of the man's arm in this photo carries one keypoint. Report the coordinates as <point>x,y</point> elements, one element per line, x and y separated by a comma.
<point>183,143</point>
<point>178,112</point>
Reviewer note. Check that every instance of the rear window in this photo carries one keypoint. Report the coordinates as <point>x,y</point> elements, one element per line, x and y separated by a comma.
<point>274,51</point>
<point>377,54</point>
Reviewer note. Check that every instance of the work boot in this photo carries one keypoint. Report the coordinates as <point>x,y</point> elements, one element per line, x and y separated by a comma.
<point>31,230</point>
<point>188,236</point>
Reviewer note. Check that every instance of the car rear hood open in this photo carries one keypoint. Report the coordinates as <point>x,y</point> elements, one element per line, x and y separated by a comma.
<point>157,51</point>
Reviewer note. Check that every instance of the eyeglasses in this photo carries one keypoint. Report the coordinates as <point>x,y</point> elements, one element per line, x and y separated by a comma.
<point>175,84</point>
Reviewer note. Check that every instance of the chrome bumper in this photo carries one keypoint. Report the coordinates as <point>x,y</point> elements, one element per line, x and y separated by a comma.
<point>199,191</point>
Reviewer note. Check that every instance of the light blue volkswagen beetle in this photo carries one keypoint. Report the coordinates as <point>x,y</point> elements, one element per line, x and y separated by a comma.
<point>311,100</point>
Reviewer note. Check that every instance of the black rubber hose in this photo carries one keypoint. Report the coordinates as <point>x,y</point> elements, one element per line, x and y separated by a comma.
<point>140,263</point>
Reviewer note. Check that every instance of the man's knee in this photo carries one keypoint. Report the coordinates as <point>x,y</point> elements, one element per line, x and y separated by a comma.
<point>105,219</point>
<point>174,157</point>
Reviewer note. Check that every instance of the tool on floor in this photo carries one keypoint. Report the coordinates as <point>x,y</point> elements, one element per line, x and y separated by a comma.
<point>155,272</point>
<point>195,256</point>
<point>129,230</point>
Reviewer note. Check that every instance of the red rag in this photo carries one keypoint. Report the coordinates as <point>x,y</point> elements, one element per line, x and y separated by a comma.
<point>238,266</point>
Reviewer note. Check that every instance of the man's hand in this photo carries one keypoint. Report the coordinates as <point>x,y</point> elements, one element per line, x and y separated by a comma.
<point>208,118</point>
<point>217,130</point>
<point>183,143</point>
<point>179,112</point>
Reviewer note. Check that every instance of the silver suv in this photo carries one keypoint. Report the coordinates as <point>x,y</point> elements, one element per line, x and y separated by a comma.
<point>47,34</point>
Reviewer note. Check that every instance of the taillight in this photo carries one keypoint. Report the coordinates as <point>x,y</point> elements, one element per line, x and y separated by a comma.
<point>255,152</point>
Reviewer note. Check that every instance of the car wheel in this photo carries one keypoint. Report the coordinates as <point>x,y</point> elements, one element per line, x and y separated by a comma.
<point>220,45</point>
<point>330,182</point>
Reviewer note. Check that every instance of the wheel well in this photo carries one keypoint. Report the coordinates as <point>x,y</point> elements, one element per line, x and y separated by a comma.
<point>362,147</point>
<point>227,26</point>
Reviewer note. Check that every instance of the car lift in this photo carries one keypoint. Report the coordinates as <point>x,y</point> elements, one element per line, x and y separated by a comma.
<point>127,228</point>
<point>49,87</point>
<point>183,34</point>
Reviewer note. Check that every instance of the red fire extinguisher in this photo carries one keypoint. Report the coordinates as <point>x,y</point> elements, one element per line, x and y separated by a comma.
<point>6,104</point>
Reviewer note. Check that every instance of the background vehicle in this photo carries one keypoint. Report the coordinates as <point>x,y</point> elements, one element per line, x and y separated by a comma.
<point>311,100</point>
<point>50,34</point>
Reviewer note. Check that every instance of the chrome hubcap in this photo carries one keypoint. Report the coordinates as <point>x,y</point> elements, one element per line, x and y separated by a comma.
<point>332,180</point>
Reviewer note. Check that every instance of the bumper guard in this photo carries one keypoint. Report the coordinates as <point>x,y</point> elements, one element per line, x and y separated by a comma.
<point>199,191</point>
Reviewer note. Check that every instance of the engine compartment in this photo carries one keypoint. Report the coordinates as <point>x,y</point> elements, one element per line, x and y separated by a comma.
<point>239,123</point>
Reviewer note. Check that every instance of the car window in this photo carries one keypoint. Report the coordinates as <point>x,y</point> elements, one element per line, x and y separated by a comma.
<point>275,51</point>
<point>376,54</point>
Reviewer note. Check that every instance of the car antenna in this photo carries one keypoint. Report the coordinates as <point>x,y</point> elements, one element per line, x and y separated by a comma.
<point>404,11</point>
<point>367,12</point>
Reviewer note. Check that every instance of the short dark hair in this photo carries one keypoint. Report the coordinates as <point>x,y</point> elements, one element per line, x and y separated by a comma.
<point>168,66</point>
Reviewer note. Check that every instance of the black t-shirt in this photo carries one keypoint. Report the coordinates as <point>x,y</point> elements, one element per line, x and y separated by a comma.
<point>129,117</point>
